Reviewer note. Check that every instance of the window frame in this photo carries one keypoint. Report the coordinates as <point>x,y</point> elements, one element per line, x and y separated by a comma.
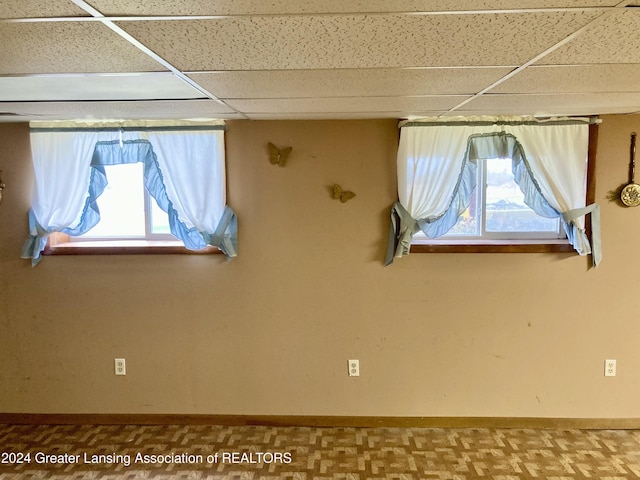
<point>61,244</point>
<point>545,245</point>
<point>163,244</point>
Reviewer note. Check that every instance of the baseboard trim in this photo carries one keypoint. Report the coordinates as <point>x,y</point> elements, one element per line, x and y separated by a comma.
<point>318,421</point>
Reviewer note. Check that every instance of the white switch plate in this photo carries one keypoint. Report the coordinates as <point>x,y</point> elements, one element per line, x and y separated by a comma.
<point>354,368</point>
<point>609,368</point>
<point>120,366</point>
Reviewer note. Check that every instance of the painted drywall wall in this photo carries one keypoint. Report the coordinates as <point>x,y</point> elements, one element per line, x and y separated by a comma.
<point>270,332</point>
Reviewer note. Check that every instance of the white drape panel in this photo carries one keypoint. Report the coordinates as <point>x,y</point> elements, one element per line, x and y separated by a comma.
<point>191,163</point>
<point>425,188</point>
<point>184,168</point>
<point>557,156</point>
<point>435,157</point>
<point>62,165</point>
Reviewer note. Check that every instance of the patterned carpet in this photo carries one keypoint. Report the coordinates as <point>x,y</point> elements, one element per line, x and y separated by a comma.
<point>301,453</point>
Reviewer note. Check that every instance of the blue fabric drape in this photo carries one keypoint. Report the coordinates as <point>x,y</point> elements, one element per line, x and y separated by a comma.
<point>493,144</point>
<point>133,150</point>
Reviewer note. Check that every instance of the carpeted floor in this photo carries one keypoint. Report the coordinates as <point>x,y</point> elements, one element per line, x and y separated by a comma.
<point>300,453</point>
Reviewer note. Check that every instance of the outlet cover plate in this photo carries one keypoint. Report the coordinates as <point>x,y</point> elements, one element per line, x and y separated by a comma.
<point>120,366</point>
<point>610,368</point>
<point>354,368</point>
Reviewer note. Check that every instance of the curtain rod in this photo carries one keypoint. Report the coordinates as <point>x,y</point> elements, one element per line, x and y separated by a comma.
<point>489,121</point>
<point>126,124</point>
<point>129,129</point>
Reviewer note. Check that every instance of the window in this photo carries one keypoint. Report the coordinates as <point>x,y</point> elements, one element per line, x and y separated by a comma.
<point>497,214</point>
<point>495,184</point>
<point>130,221</point>
<point>129,187</point>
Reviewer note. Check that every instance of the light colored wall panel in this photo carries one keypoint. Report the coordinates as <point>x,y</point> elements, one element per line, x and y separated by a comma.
<point>269,333</point>
<point>68,48</point>
<point>348,83</point>
<point>352,41</point>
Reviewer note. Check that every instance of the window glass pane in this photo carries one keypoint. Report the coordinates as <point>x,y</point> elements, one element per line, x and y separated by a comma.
<point>505,207</point>
<point>159,219</point>
<point>121,204</point>
<point>469,221</point>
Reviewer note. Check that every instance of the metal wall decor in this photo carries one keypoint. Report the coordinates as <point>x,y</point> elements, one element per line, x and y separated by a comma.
<point>338,193</point>
<point>630,194</point>
<point>278,156</point>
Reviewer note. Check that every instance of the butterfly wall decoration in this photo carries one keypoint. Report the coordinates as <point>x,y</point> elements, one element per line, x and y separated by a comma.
<point>278,156</point>
<point>338,193</point>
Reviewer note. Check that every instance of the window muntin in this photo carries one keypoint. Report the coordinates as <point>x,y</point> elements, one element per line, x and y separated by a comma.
<point>497,213</point>
<point>183,169</point>
<point>127,210</point>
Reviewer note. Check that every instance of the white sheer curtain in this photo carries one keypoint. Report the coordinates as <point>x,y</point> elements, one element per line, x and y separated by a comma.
<point>62,172</point>
<point>557,156</point>
<point>184,169</point>
<point>436,173</point>
<point>183,156</point>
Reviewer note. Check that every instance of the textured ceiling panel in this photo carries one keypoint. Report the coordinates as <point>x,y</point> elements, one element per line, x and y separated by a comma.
<point>336,105</point>
<point>343,116</point>
<point>145,86</point>
<point>120,110</point>
<point>68,48</point>
<point>351,41</point>
<point>247,7</point>
<point>318,58</point>
<point>39,9</point>
<point>569,104</point>
<point>574,79</point>
<point>614,40</point>
<point>348,83</point>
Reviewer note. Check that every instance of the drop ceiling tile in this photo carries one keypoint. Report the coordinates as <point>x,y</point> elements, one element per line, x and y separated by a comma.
<point>274,7</point>
<point>566,112</point>
<point>347,83</point>
<point>68,47</point>
<point>574,79</point>
<point>138,86</point>
<point>565,104</point>
<point>342,115</point>
<point>120,110</point>
<point>613,40</point>
<point>355,41</point>
<point>39,9</point>
<point>345,104</point>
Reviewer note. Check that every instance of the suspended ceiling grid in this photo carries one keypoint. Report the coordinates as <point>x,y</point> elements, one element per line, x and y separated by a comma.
<point>316,59</point>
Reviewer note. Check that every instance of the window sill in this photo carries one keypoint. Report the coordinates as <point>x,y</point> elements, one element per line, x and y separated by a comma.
<point>493,248</point>
<point>59,245</point>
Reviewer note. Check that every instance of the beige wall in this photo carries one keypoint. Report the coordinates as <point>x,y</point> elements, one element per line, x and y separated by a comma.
<point>270,332</point>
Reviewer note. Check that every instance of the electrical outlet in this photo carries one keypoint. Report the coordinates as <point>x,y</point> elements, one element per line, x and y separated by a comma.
<point>354,368</point>
<point>121,366</point>
<point>609,368</point>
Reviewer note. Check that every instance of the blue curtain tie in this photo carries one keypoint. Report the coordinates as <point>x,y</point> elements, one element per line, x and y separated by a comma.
<point>226,235</point>
<point>36,241</point>
<point>596,244</point>
<point>403,227</point>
